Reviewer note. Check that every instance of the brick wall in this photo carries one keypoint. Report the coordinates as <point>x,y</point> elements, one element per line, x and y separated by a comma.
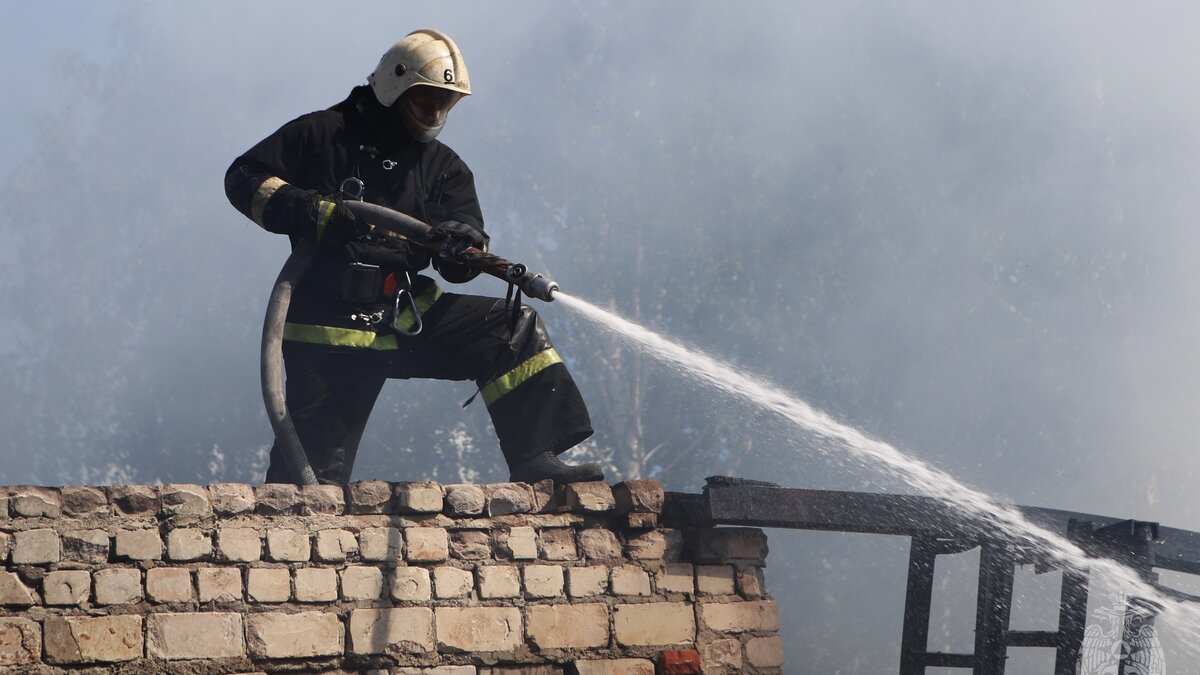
<point>376,578</point>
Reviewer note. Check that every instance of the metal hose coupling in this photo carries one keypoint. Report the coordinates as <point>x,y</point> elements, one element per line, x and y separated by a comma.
<point>531,284</point>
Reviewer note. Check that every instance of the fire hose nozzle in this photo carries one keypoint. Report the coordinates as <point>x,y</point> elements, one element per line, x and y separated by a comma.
<point>541,288</point>
<point>531,284</point>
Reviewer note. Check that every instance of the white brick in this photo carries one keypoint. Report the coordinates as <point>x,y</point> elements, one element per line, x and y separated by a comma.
<point>35,502</point>
<point>402,629</point>
<point>378,544</point>
<point>169,584</point>
<point>118,586</point>
<point>183,499</point>
<point>478,629</point>
<point>451,582</point>
<point>418,498</point>
<point>186,544</point>
<point>101,639</point>
<point>522,543</point>
<point>584,582</point>
<point>273,635</point>
<point>567,626</point>
<point>735,617</point>
<point>335,545</point>
<point>230,499</point>
<point>139,544</point>
<point>285,545</point>
<point>219,584</point>
<point>201,635</point>
<point>13,592</point>
<point>630,580</point>
<point>362,583</point>
<point>410,584</point>
<point>499,581</point>
<point>316,584</point>
<point>714,579</point>
<point>36,547</point>
<point>543,581</point>
<point>426,544</point>
<point>656,624</point>
<point>765,652</point>
<point>615,667</point>
<point>676,578</point>
<point>67,587</point>
<point>269,584</point>
<point>721,655</point>
<point>239,544</point>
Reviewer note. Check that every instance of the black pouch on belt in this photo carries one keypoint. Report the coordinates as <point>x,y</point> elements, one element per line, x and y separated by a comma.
<point>362,283</point>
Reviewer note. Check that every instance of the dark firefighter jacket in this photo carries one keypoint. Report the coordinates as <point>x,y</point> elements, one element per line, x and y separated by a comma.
<point>275,184</point>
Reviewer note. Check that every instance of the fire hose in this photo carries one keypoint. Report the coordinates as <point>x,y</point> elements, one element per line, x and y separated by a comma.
<point>385,222</point>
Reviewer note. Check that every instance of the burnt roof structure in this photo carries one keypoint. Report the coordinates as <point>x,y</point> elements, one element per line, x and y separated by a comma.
<point>939,527</point>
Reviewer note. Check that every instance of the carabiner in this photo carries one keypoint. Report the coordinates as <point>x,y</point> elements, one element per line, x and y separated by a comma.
<point>352,188</point>
<point>418,324</point>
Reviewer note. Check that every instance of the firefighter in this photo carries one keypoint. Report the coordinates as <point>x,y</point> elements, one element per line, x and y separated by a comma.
<point>347,330</point>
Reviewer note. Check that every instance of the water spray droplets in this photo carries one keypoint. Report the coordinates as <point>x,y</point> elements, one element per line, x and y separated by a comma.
<point>922,477</point>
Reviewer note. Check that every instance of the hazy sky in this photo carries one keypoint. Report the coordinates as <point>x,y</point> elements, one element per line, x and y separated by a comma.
<point>967,228</point>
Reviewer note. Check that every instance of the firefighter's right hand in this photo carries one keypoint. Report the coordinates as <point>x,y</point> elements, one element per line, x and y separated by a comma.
<point>330,220</point>
<point>456,237</point>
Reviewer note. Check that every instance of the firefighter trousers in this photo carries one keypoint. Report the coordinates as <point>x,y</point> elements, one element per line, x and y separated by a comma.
<point>331,387</point>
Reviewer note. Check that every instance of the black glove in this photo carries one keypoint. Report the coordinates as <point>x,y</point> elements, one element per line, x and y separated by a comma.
<point>330,220</point>
<point>455,237</point>
<point>309,215</point>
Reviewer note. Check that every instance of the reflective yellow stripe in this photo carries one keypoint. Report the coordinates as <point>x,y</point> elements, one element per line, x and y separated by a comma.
<point>261,196</point>
<point>338,337</point>
<point>517,376</point>
<point>424,301</point>
<point>324,212</point>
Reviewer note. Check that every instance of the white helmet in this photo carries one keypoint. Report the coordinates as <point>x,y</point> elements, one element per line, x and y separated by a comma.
<point>427,58</point>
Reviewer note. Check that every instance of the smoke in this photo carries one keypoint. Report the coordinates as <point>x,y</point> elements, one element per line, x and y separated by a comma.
<point>966,229</point>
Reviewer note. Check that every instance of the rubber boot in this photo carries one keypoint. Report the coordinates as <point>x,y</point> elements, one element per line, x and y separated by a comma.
<point>548,465</point>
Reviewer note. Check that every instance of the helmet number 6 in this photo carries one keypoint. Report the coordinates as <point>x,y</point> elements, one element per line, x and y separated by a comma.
<point>448,76</point>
